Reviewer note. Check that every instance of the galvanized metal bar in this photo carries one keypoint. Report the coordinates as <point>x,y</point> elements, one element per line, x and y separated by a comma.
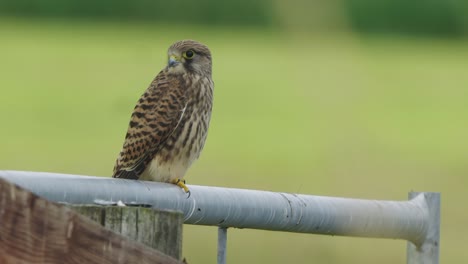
<point>228,207</point>
<point>222,244</point>
<point>427,252</point>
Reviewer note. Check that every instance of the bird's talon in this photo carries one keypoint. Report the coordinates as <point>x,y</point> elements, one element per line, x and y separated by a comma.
<point>181,184</point>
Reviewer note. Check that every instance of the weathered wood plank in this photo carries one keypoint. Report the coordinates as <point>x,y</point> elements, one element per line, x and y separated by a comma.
<point>34,230</point>
<point>158,229</point>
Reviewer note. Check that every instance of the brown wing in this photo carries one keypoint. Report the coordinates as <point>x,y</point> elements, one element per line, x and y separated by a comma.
<point>155,117</point>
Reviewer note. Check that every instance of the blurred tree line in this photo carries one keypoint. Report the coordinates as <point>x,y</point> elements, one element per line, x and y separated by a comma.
<point>421,17</point>
<point>415,17</point>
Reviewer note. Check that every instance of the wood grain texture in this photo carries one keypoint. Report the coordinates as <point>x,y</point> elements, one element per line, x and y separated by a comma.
<point>158,229</point>
<point>34,230</point>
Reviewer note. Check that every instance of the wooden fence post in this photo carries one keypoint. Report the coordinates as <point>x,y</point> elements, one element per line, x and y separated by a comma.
<point>34,230</point>
<point>158,229</point>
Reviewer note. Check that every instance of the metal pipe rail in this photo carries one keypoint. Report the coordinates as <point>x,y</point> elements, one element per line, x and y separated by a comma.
<point>416,220</point>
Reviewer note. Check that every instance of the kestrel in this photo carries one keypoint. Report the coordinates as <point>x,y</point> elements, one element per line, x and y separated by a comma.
<point>169,124</point>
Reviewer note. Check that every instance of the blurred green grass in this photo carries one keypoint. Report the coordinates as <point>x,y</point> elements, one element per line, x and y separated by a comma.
<point>327,115</point>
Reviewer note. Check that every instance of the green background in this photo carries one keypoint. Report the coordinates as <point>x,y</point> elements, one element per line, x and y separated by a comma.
<point>347,98</point>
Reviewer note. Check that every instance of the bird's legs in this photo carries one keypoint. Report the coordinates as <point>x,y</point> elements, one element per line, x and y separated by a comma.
<point>181,184</point>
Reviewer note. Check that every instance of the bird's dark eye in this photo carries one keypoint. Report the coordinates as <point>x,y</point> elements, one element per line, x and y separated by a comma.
<point>189,54</point>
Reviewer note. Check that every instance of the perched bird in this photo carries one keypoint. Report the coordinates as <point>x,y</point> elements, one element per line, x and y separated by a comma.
<point>169,124</point>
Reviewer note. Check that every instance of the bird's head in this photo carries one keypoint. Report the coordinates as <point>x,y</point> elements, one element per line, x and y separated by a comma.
<point>189,56</point>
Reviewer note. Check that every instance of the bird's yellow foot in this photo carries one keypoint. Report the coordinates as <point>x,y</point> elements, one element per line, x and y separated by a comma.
<point>181,184</point>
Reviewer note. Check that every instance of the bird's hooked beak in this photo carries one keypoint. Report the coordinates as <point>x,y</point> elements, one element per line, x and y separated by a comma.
<point>173,60</point>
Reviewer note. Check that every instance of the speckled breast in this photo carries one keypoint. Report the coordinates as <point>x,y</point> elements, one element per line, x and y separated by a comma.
<point>185,144</point>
